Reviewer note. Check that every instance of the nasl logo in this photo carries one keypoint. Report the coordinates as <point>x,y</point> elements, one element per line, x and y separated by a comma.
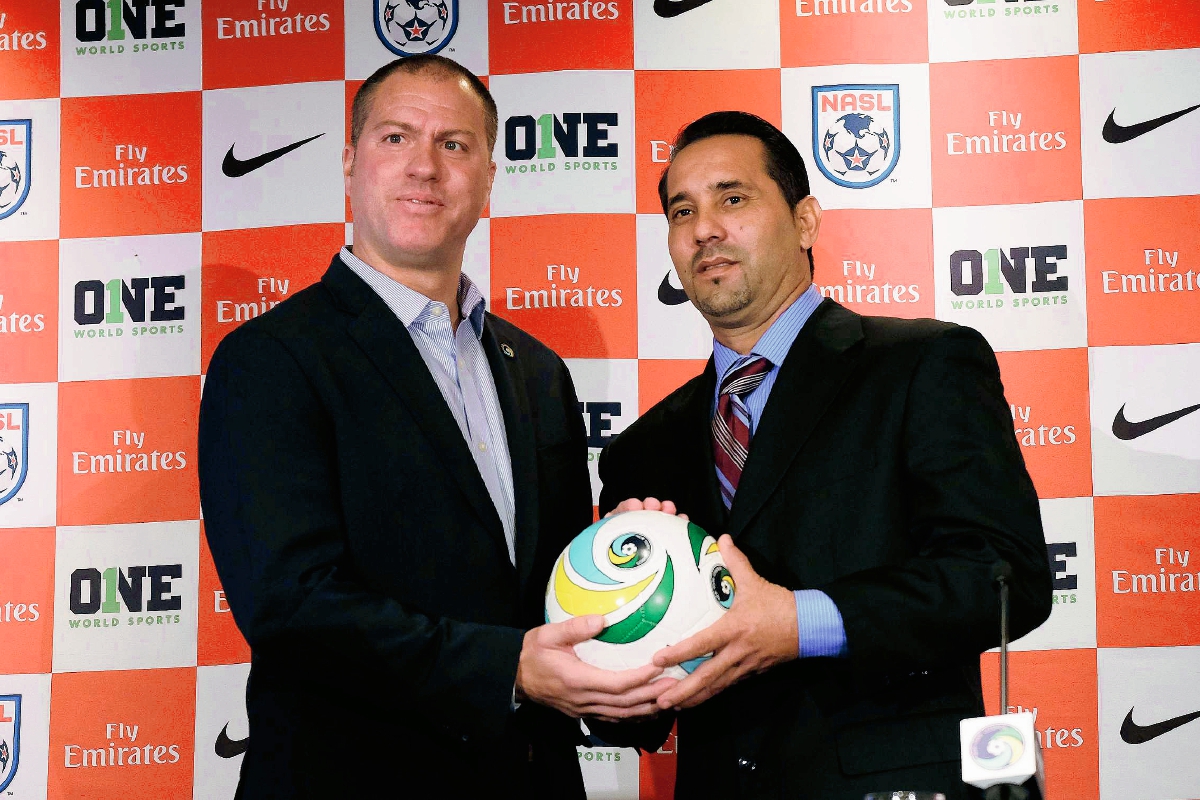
<point>14,448</point>
<point>10,737</point>
<point>14,164</point>
<point>856,132</point>
<point>413,27</point>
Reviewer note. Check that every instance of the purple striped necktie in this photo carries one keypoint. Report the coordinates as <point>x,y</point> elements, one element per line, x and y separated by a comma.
<point>731,424</point>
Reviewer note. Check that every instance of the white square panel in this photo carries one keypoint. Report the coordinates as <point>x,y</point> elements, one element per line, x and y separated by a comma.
<point>1140,114</point>
<point>979,30</point>
<point>29,185</point>
<point>565,143</point>
<point>881,113</point>
<point>125,596</point>
<point>273,155</point>
<point>143,47</point>
<point>222,730</point>
<point>1014,273</point>
<point>28,454</point>
<point>129,307</point>
<point>608,396</point>
<point>1145,429</point>
<point>1071,549</point>
<point>705,34</point>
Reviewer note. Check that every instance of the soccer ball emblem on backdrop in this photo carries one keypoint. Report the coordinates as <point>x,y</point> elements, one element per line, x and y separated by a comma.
<point>856,132</point>
<point>412,27</point>
<point>656,578</point>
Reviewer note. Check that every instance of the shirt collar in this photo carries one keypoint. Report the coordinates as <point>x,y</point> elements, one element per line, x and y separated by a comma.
<point>777,341</point>
<point>410,306</point>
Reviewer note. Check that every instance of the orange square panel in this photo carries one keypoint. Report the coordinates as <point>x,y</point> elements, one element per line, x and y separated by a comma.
<point>26,600</point>
<point>130,165</point>
<point>666,101</point>
<point>122,734</point>
<point>877,261</point>
<point>1005,131</point>
<point>1059,687</point>
<point>1047,393</point>
<point>1121,25</point>
<point>818,32</point>
<point>248,272</point>
<point>29,312</point>
<point>220,641</point>
<point>1147,577</point>
<point>538,37</point>
<point>1142,280</point>
<point>29,50</point>
<point>570,280</point>
<point>258,44</point>
<point>127,451</point>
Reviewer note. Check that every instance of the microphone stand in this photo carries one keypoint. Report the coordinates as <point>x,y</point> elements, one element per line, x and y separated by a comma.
<point>1001,574</point>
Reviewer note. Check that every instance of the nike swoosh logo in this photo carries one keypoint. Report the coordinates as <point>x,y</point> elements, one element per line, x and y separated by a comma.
<point>1125,430</point>
<point>673,8</point>
<point>1116,134</point>
<point>234,167</point>
<point>1133,733</point>
<point>668,295</point>
<point>230,748</point>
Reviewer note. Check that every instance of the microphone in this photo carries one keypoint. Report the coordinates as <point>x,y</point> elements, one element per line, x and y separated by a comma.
<point>1001,753</point>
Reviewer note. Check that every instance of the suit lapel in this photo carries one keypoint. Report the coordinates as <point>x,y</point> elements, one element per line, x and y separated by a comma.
<point>696,454</point>
<point>518,427</point>
<point>816,366</point>
<point>389,346</point>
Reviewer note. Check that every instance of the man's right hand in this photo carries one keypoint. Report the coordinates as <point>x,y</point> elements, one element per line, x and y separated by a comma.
<point>550,673</point>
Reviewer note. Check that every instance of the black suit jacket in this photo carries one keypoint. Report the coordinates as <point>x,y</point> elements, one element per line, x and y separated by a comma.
<point>885,472</point>
<point>364,561</point>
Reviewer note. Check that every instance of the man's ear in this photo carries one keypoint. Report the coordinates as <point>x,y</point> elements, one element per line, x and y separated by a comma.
<point>347,164</point>
<point>807,214</point>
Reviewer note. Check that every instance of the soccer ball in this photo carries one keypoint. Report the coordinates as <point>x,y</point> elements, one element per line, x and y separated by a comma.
<point>10,179</point>
<point>856,143</point>
<point>656,578</point>
<point>417,20</point>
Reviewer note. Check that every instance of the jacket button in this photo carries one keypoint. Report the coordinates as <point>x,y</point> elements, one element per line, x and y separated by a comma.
<point>746,765</point>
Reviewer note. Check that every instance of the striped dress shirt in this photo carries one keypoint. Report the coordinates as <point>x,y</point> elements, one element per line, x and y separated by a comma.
<point>822,631</point>
<point>459,366</point>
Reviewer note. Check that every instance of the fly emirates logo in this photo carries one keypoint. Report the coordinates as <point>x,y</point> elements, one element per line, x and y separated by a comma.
<point>122,749</point>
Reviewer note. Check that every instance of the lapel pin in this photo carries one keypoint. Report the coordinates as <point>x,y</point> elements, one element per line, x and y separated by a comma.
<point>507,350</point>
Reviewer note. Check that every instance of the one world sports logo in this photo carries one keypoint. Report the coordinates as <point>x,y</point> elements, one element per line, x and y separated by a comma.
<point>997,747</point>
<point>856,132</point>
<point>14,448</point>
<point>413,27</point>
<point>10,737</point>
<point>14,164</point>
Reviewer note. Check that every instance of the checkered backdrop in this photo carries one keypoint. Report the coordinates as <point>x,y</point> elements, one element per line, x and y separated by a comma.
<point>1026,167</point>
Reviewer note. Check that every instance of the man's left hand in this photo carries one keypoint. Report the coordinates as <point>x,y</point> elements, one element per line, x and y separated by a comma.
<point>758,632</point>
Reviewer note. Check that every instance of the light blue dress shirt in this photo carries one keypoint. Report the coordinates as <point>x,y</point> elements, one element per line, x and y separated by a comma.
<point>822,631</point>
<point>459,366</point>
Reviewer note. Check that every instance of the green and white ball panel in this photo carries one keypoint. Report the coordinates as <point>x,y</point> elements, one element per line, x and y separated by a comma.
<point>656,578</point>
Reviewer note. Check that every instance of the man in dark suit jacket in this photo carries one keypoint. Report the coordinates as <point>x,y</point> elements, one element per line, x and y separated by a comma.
<point>387,474</point>
<point>883,486</point>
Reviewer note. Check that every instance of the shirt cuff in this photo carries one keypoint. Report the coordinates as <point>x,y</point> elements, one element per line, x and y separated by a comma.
<point>819,623</point>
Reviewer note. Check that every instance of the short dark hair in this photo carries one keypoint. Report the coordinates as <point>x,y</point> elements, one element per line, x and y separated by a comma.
<point>784,164</point>
<point>424,63</point>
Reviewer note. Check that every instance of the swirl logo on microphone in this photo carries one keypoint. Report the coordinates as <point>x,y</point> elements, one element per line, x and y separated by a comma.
<point>997,747</point>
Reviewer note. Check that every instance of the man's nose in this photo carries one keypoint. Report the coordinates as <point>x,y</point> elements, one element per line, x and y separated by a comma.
<point>423,162</point>
<point>707,227</point>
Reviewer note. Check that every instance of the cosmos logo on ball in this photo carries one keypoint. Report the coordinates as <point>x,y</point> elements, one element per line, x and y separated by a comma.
<point>997,746</point>
<point>412,27</point>
<point>14,164</point>
<point>656,578</point>
<point>856,132</point>
<point>10,737</point>
<point>14,448</point>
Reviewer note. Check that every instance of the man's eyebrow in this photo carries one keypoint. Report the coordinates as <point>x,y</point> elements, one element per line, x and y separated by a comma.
<point>719,186</point>
<point>677,198</point>
<point>408,127</point>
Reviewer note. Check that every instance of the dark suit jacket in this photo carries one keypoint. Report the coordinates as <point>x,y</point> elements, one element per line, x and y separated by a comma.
<point>885,472</point>
<point>364,561</point>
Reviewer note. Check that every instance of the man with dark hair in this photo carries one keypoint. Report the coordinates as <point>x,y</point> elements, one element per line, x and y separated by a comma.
<point>387,473</point>
<point>865,474</point>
